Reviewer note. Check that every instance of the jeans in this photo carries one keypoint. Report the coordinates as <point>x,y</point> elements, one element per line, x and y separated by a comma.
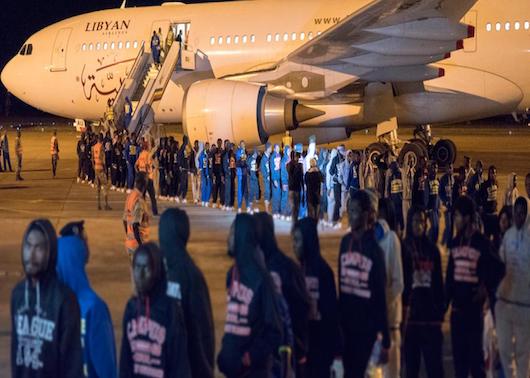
<point>294,199</point>
<point>242,190</point>
<point>7,161</point>
<point>55,158</point>
<point>151,191</point>
<point>423,341</point>
<point>467,328</point>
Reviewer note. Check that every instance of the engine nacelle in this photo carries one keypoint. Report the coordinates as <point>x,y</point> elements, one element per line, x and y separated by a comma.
<point>237,111</point>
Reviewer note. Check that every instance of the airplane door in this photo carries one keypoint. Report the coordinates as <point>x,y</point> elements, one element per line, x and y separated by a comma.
<point>163,25</point>
<point>60,48</point>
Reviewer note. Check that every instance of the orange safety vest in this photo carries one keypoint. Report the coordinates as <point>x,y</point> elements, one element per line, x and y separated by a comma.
<point>99,156</point>
<point>130,204</point>
<point>54,146</point>
<point>145,163</point>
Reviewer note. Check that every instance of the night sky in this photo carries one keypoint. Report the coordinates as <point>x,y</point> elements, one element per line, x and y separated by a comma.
<point>19,19</point>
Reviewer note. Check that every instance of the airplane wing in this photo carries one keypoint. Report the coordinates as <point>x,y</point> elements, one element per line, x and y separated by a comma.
<point>389,41</point>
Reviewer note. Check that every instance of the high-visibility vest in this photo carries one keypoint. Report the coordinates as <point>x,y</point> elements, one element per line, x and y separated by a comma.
<point>145,164</point>
<point>130,204</point>
<point>99,157</point>
<point>287,141</point>
<point>54,146</point>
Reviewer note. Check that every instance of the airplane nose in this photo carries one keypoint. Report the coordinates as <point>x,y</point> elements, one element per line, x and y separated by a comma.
<point>8,76</point>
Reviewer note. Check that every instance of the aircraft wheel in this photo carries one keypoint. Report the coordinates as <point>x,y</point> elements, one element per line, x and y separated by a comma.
<point>444,152</point>
<point>375,150</point>
<point>412,153</point>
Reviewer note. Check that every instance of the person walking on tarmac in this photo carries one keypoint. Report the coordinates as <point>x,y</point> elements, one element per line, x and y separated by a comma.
<point>324,341</point>
<point>204,168</point>
<point>54,152</point>
<point>97,333</point>
<point>136,216</point>
<point>252,331</point>
<point>5,153</point>
<point>362,298</point>
<point>275,168</point>
<point>217,176</point>
<point>265,169</point>
<point>45,318</point>
<point>154,341</point>
<point>242,177</point>
<point>81,156</point>
<point>144,164</point>
<point>107,145</point>
<point>513,297</point>
<point>423,299</point>
<point>290,283</point>
<point>186,283</point>
<point>19,152</point>
<point>131,154</point>
<point>98,162</point>
<point>473,273</point>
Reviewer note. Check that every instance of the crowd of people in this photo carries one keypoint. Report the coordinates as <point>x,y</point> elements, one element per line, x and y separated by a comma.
<point>287,318</point>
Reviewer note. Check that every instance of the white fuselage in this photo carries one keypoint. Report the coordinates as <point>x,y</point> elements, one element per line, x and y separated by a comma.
<point>77,64</point>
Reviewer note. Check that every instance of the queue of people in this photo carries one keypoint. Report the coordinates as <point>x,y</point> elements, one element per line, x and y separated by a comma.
<point>284,318</point>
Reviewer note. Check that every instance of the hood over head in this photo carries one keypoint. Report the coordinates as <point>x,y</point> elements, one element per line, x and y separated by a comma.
<point>45,226</point>
<point>71,262</point>
<point>158,272</point>
<point>249,259</point>
<point>309,231</point>
<point>265,234</point>
<point>173,234</point>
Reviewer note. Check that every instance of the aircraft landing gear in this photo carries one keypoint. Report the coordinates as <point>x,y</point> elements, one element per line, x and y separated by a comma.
<point>419,148</point>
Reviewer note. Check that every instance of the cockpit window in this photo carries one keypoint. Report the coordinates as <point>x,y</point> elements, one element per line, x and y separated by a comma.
<point>29,49</point>
<point>23,50</point>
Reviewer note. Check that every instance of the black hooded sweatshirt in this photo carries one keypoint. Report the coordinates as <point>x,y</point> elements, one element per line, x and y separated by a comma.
<point>473,274</point>
<point>289,281</point>
<point>362,280</point>
<point>154,342</point>
<point>187,284</point>
<point>45,322</point>
<point>324,331</point>
<point>252,323</point>
<point>423,292</point>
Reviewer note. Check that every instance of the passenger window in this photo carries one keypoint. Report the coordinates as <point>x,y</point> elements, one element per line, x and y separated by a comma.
<point>120,45</point>
<point>526,25</point>
<point>517,25</point>
<point>293,36</point>
<point>23,50</point>
<point>277,37</point>
<point>220,41</point>
<point>83,47</point>
<point>127,45</point>
<point>498,26</point>
<point>252,38</point>
<point>135,44</point>
<point>310,35</point>
<point>98,46</point>
<point>488,26</point>
<point>236,39</point>
<point>212,41</point>
<point>112,45</point>
<point>302,36</point>
<point>244,39</point>
<point>29,49</point>
<point>105,46</point>
<point>228,40</point>
<point>507,26</point>
<point>269,37</point>
<point>91,47</point>
<point>286,37</point>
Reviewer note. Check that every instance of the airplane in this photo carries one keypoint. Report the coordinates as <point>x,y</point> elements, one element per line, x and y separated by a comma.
<point>247,70</point>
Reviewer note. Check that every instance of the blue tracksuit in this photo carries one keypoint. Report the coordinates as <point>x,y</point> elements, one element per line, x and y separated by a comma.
<point>97,333</point>
<point>242,177</point>
<point>254,178</point>
<point>266,174</point>
<point>284,178</point>
<point>204,166</point>
<point>275,167</point>
<point>131,152</point>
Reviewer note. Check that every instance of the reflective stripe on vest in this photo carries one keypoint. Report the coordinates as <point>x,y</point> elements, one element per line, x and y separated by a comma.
<point>98,157</point>
<point>130,241</point>
<point>396,186</point>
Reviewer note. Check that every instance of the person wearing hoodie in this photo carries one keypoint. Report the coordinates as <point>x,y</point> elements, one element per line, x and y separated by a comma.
<point>330,186</point>
<point>473,273</point>
<point>324,341</point>
<point>391,247</point>
<point>362,282</point>
<point>186,283</point>
<point>423,299</point>
<point>97,333</point>
<point>265,169</point>
<point>252,331</point>
<point>487,203</point>
<point>395,193</point>
<point>275,166</point>
<point>253,180</point>
<point>284,179</point>
<point>511,193</point>
<point>433,202</point>
<point>513,295</point>
<point>45,321</point>
<point>323,159</point>
<point>446,197</point>
<point>154,342</point>
<point>204,168</point>
<point>289,282</point>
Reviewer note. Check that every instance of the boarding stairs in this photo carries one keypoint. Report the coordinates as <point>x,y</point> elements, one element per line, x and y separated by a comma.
<point>146,84</point>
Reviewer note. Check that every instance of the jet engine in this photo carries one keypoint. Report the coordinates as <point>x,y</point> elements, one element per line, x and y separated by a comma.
<point>239,111</point>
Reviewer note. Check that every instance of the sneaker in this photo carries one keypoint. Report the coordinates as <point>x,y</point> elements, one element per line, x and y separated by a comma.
<point>177,200</point>
<point>282,217</point>
<point>107,207</point>
<point>207,204</point>
<point>184,200</point>
<point>214,206</point>
<point>256,210</point>
<point>128,191</point>
<point>82,181</point>
<point>239,211</point>
<point>112,187</point>
<point>337,226</point>
<point>78,180</point>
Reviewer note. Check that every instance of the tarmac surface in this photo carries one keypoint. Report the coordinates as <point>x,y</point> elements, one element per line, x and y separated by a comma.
<point>62,200</point>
